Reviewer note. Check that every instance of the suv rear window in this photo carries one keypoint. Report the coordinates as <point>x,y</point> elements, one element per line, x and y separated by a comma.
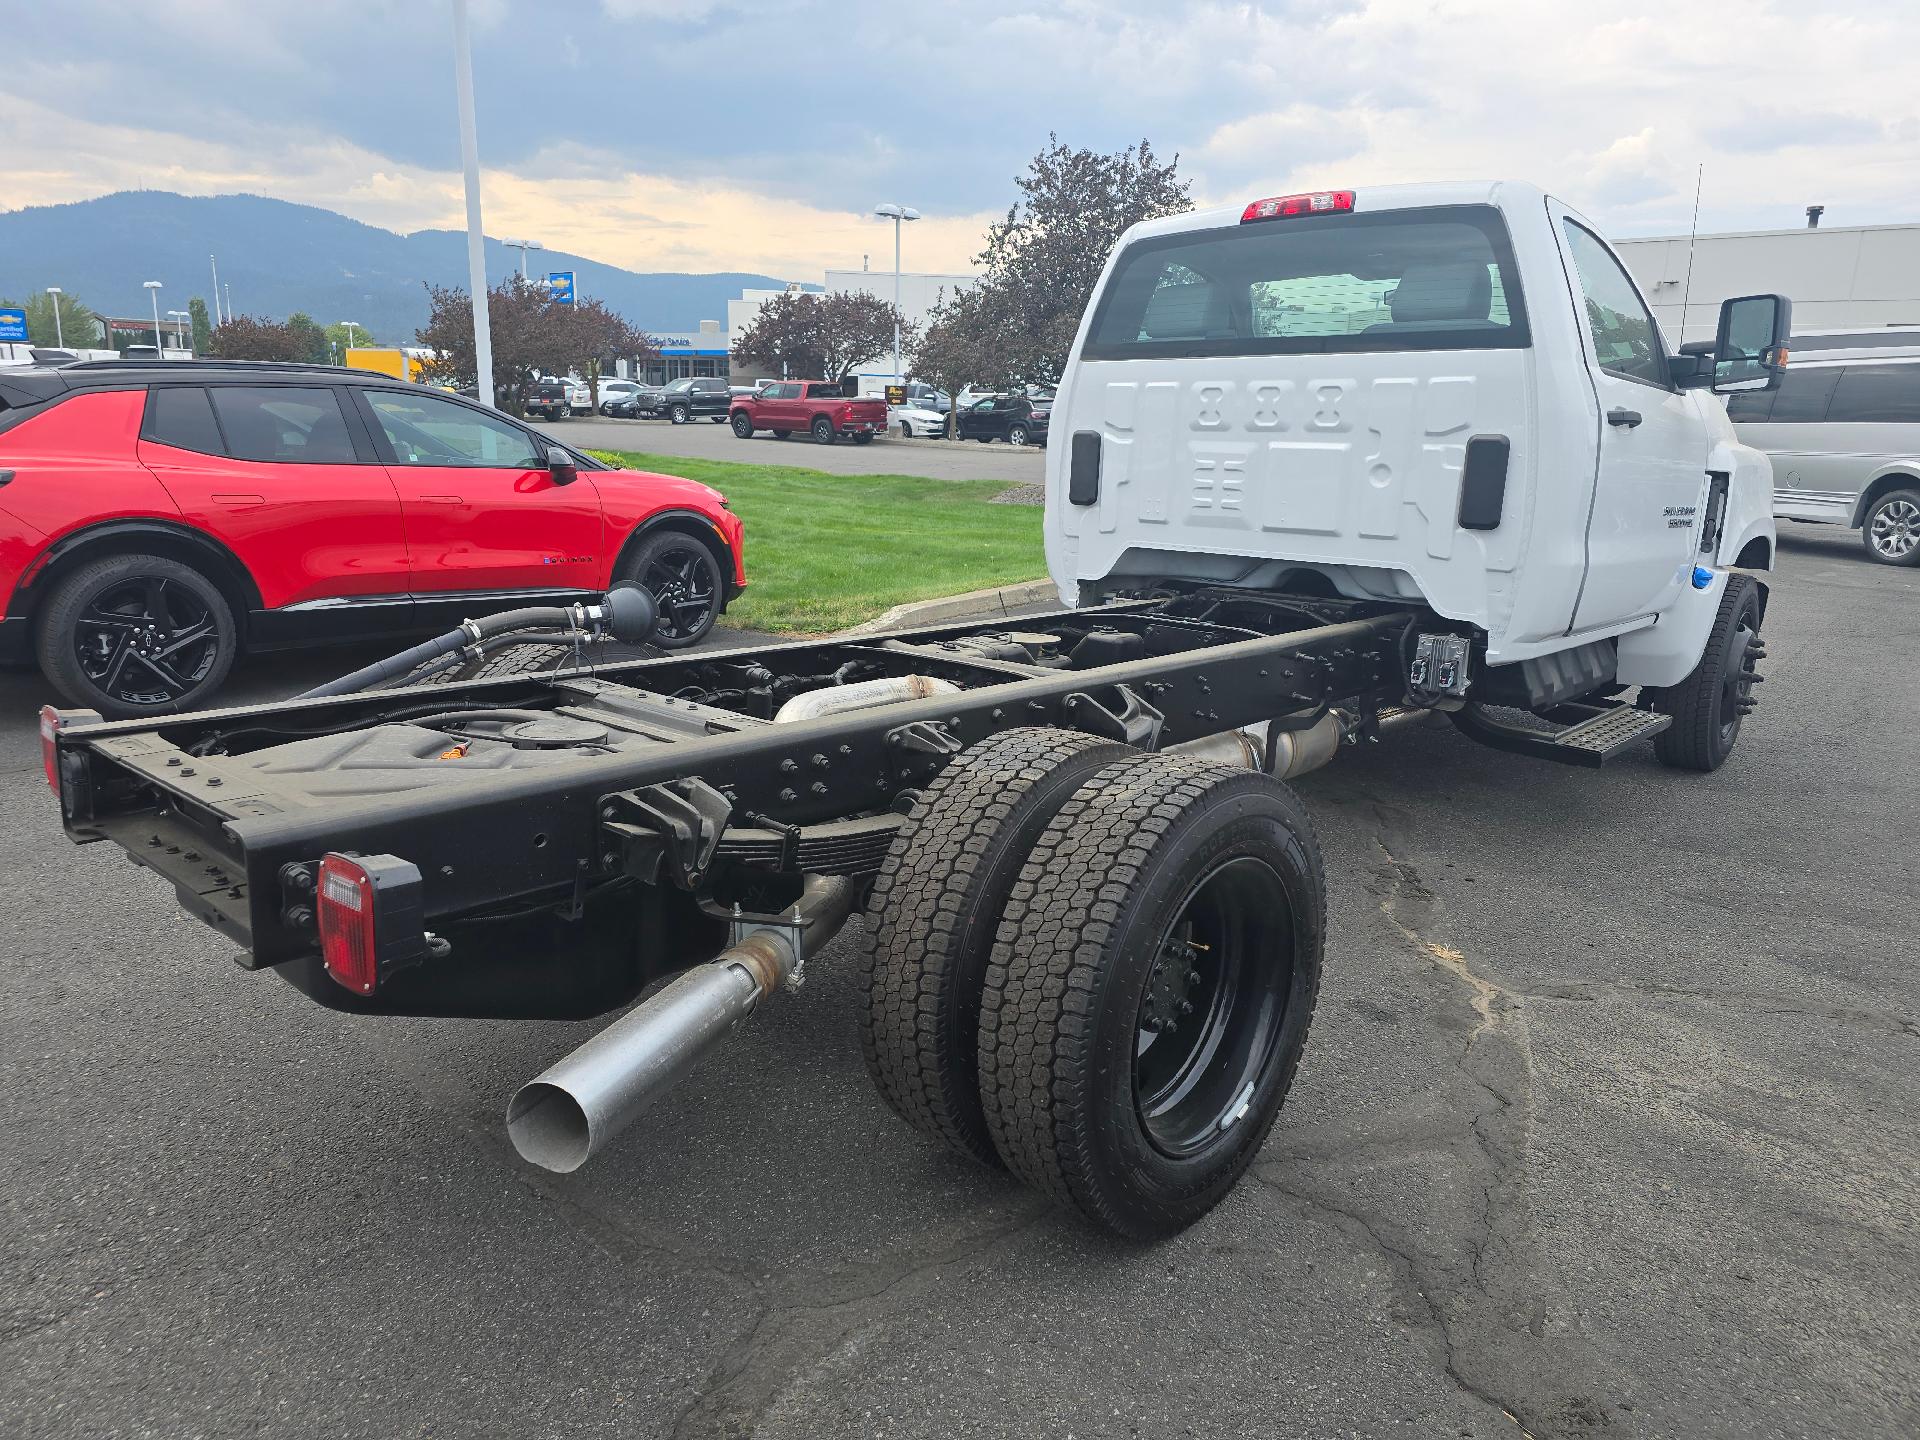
<point>179,415</point>
<point>286,424</point>
<point>1433,279</point>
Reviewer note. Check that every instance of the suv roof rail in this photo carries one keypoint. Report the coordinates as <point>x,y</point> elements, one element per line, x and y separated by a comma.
<point>214,362</point>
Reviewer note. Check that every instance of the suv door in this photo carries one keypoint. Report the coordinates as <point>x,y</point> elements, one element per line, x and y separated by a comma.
<point>274,471</point>
<point>977,420</point>
<point>1650,482</point>
<point>481,507</point>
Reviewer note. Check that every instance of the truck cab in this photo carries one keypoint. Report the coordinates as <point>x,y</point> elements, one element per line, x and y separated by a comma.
<point>1450,394</point>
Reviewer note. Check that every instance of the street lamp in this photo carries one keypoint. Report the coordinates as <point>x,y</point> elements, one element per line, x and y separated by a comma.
<point>470,165</point>
<point>152,287</point>
<point>352,325</point>
<point>898,214</point>
<point>59,340</point>
<point>523,246</point>
<point>179,336</point>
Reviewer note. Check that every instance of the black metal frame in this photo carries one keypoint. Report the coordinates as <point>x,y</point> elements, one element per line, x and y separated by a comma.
<point>729,803</point>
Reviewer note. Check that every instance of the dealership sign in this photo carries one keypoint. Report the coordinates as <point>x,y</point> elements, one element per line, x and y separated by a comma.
<point>13,324</point>
<point>560,287</point>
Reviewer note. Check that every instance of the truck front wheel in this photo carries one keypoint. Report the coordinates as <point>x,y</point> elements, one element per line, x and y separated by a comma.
<point>936,906</point>
<point>742,425</point>
<point>1150,989</point>
<point>1708,706</point>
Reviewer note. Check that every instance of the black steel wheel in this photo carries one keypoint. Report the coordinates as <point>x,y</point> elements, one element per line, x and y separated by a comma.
<point>1708,706</point>
<point>1150,989</point>
<point>742,425</point>
<point>137,635</point>
<point>822,430</point>
<point>684,578</point>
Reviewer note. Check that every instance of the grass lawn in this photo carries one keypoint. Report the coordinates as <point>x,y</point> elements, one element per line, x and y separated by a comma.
<point>828,551</point>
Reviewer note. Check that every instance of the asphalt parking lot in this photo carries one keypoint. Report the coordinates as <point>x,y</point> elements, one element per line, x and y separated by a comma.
<point>887,455</point>
<point>1607,1126</point>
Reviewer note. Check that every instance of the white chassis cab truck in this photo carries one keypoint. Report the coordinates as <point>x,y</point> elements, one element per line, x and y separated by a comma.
<point>1326,466</point>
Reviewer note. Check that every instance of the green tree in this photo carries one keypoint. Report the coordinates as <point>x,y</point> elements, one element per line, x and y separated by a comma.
<point>529,340</point>
<point>337,338</point>
<point>202,328</point>
<point>968,341</point>
<point>1044,259</point>
<point>79,327</point>
<point>309,340</point>
<point>820,336</point>
<point>596,337</point>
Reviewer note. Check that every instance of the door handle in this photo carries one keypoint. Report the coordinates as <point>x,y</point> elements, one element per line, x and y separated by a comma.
<point>1618,416</point>
<point>440,499</point>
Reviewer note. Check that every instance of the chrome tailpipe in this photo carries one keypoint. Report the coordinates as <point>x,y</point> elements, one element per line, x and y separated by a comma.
<point>1294,752</point>
<point>569,1111</point>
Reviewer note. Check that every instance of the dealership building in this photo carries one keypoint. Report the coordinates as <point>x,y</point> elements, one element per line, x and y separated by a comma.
<point>1843,277</point>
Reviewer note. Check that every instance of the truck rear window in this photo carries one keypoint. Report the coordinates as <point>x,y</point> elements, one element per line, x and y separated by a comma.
<point>1435,279</point>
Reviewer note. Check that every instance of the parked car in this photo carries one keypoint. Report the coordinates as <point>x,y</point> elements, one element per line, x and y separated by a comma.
<point>1843,432</point>
<point>687,398</point>
<point>579,396</point>
<point>547,399</point>
<point>915,419</point>
<point>163,519</point>
<point>612,391</point>
<point>1012,418</point>
<point>819,407</point>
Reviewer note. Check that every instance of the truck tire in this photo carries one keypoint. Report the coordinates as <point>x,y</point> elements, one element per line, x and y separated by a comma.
<point>822,430</point>
<point>936,905</point>
<point>133,635</point>
<point>742,425</point>
<point>1150,990</point>
<point>781,434</point>
<point>1708,706</point>
<point>865,437</point>
<point>1891,532</point>
<point>679,414</point>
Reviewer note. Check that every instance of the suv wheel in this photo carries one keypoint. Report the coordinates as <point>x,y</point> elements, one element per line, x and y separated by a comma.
<point>1017,435</point>
<point>684,580</point>
<point>1892,531</point>
<point>679,414</point>
<point>135,635</point>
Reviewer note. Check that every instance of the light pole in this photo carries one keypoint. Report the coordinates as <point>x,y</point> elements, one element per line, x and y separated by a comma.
<point>476,240</point>
<point>179,338</point>
<point>523,246</point>
<point>152,287</point>
<point>217,319</point>
<point>898,214</point>
<point>352,325</point>
<point>59,339</point>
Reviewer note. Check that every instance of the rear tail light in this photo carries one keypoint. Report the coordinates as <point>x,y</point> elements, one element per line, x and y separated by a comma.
<point>49,748</point>
<point>369,909</point>
<point>1318,202</point>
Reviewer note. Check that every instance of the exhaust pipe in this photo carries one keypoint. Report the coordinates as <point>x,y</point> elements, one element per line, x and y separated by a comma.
<point>1295,752</point>
<point>569,1111</point>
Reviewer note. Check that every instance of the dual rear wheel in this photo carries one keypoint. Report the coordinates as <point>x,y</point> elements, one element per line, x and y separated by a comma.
<point>1096,968</point>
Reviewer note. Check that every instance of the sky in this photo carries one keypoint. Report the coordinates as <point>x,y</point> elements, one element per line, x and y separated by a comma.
<point>706,135</point>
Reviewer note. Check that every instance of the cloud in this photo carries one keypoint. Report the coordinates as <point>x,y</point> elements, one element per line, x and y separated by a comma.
<point>759,134</point>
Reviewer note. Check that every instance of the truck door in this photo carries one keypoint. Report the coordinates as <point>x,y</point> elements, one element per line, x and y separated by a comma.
<point>481,507</point>
<point>1650,483</point>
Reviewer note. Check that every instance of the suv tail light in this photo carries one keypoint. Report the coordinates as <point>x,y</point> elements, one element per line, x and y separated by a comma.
<point>369,909</point>
<point>1318,202</point>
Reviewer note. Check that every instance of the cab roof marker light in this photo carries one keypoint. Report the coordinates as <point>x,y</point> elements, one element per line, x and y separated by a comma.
<point>1316,202</point>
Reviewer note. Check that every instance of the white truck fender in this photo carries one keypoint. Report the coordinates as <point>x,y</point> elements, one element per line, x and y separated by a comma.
<point>1749,513</point>
<point>1665,652</point>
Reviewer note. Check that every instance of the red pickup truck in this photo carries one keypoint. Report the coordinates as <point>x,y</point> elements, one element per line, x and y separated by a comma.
<point>819,407</point>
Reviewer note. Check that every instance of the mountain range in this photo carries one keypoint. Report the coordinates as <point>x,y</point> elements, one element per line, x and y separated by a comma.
<point>276,258</point>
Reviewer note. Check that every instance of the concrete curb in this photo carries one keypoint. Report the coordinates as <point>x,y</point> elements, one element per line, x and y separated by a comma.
<point>974,605</point>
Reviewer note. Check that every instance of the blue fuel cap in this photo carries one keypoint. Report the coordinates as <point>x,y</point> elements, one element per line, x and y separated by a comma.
<point>1702,577</point>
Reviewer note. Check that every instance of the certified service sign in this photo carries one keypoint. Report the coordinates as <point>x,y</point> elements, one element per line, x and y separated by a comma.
<point>560,287</point>
<point>13,324</point>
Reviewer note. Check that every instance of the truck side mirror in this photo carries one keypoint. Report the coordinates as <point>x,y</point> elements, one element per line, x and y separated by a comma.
<point>560,465</point>
<point>1750,350</point>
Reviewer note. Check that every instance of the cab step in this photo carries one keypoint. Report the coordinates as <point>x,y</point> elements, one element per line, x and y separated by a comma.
<point>1583,733</point>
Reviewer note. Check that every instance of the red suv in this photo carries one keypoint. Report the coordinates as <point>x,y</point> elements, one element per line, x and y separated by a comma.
<point>158,520</point>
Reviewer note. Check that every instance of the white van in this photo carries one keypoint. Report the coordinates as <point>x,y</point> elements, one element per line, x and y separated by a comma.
<point>1843,432</point>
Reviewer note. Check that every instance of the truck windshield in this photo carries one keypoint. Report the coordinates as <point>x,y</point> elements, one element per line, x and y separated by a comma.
<point>1433,279</point>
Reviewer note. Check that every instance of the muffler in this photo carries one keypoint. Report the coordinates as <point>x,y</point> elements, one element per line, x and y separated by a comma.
<point>1295,752</point>
<point>565,1114</point>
